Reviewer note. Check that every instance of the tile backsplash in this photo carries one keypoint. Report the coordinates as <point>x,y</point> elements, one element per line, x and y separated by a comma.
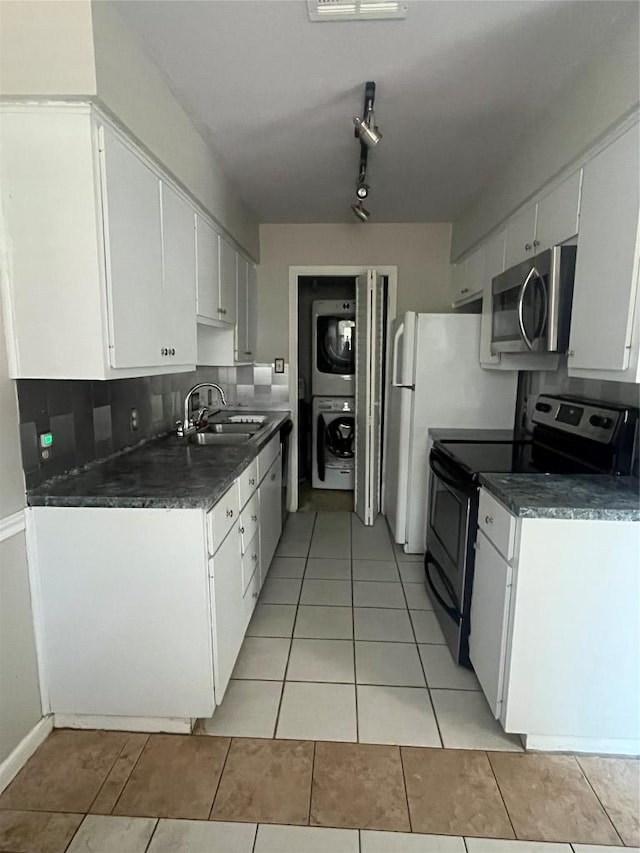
<point>90,420</point>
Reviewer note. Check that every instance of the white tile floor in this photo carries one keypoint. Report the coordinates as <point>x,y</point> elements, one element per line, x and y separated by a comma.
<point>108,834</point>
<point>344,646</point>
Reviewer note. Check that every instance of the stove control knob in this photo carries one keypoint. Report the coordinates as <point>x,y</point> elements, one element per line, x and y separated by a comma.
<point>600,421</point>
<point>543,407</point>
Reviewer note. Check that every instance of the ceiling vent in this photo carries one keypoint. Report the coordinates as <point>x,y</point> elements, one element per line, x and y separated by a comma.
<point>355,10</point>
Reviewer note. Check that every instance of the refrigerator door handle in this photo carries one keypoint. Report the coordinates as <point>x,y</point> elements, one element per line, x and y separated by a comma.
<point>396,346</point>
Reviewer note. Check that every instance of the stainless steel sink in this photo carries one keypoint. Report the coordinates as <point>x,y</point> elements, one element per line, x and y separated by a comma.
<point>207,437</point>
<point>230,428</point>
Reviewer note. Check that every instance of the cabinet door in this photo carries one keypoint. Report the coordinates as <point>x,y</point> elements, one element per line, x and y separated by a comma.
<point>493,266</point>
<point>208,274</point>
<point>133,250</point>
<point>227,609</point>
<point>252,312</point>
<point>459,278</point>
<point>490,602</point>
<point>228,282</point>
<point>606,278</point>
<point>179,272</point>
<point>520,235</point>
<point>270,515</point>
<point>241,345</point>
<point>557,219</point>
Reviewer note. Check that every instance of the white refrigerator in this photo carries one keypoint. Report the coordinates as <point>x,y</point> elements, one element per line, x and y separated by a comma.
<point>435,381</point>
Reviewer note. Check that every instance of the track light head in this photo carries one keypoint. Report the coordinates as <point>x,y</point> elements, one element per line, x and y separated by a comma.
<point>362,190</point>
<point>360,212</point>
<point>369,134</point>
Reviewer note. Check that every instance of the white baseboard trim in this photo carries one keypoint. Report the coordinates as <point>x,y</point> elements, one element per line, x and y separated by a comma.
<point>602,746</point>
<point>16,760</point>
<point>171,725</point>
<point>12,524</point>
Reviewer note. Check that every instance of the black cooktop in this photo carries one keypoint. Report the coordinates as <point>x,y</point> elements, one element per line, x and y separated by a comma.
<point>516,457</point>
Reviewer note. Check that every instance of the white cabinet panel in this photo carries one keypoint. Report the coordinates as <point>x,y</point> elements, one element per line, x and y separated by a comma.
<point>227,609</point>
<point>228,282</point>
<point>267,455</point>
<point>270,515</point>
<point>520,236</point>
<point>558,213</point>
<point>179,268</point>
<point>606,280</point>
<point>252,312</point>
<point>208,272</point>
<point>134,256</point>
<point>242,349</point>
<point>459,278</point>
<point>489,620</point>
<point>493,266</point>
<point>222,517</point>
<point>497,524</point>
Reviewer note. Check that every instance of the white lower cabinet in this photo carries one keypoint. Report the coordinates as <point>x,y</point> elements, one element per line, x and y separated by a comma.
<point>227,609</point>
<point>270,514</point>
<point>143,611</point>
<point>555,636</point>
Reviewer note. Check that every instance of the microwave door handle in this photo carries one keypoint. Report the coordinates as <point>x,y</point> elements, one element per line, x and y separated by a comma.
<point>545,306</point>
<point>523,290</point>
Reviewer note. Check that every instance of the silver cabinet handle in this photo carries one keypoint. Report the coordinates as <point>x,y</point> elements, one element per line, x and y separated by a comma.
<point>273,478</point>
<point>241,530</point>
<point>252,481</point>
<point>488,519</point>
<point>254,518</point>
<point>254,557</point>
<point>527,247</point>
<point>254,594</point>
<point>229,513</point>
<point>464,290</point>
<point>536,243</point>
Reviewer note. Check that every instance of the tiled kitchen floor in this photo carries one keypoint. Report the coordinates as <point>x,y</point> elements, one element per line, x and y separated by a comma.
<point>344,646</point>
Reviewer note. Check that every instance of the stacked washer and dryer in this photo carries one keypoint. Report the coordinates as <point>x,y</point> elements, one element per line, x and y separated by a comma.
<point>333,394</point>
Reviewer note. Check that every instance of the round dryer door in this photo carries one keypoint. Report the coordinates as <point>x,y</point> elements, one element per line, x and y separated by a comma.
<point>336,345</point>
<point>340,436</point>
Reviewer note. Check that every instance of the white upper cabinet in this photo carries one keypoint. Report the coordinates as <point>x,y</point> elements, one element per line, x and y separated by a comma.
<point>228,282</point>
<point>493,266</point>
<point>252,311</point>
<point>604,339</point>
<point>468,278</point>
<point>179,278</point>
<point>208,263</point>
<point>242,350</point>
<point>101,251</point>
<point>550,221</point>
<point>558,214</point>
<point>133,237</point>
<point>521,230</point>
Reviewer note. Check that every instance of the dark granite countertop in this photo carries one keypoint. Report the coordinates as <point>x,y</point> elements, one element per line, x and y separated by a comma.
<point>167,472</point>
<point>581,496</point>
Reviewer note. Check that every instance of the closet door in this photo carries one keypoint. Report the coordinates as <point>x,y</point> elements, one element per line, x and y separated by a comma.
<point>369,352</point>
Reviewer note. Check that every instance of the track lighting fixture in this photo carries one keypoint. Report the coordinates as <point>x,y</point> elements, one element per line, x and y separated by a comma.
<point>361,212</point>
<point>368,135</point>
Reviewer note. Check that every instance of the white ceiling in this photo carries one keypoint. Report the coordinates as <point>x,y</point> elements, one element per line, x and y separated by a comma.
<point>457,85</point>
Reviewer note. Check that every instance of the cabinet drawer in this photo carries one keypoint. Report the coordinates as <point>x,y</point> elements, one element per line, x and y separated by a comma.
<point>221,518</point>
<point>249,521</point>
<point>497,523</point>
<point>267,456</point>
<point>248,482</point>
<point>251,562</point>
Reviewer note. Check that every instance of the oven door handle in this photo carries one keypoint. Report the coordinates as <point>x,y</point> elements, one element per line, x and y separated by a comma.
<point>438,471</point>
<point>450,609</point>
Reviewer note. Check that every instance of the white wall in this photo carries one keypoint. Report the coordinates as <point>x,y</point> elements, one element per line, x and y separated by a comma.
<point>420,251</point>
<point>46,48</point>
<point>605,90</point>
<point>131,86</point>
<point>20,707</point>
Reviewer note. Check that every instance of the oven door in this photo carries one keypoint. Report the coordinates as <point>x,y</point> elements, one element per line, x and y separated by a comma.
<point>450,497</point>
<point>520,308</point>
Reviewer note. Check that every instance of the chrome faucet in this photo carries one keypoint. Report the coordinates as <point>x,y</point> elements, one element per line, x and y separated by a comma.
<point>189,425</point>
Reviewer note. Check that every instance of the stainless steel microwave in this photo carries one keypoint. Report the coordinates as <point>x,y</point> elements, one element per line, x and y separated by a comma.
<point>531,303</point>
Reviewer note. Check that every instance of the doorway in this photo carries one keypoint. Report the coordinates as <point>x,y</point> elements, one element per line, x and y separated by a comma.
<point>336,452</point>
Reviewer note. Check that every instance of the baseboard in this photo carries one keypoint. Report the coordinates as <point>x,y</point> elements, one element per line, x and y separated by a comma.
<point>16,760</point>
<point>171,725</point>
<point>601,746</point>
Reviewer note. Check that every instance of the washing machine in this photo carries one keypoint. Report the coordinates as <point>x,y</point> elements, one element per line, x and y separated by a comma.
<point>334,348</point>
<point>333,454</point>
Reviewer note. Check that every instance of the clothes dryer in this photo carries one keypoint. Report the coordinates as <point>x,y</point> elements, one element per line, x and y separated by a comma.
<point>333,443</point>
<point>334,347</point>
